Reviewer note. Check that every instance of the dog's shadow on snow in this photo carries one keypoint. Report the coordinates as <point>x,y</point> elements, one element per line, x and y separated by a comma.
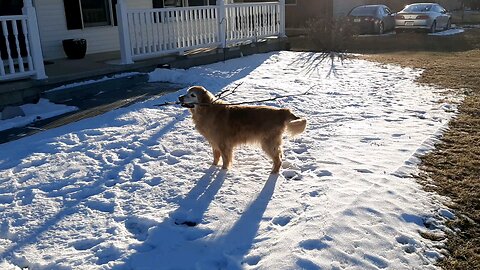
<point>184,241</point>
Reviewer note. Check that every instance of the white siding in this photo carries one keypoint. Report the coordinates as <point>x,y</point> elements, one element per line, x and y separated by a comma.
<point>342,7</point>
<point>53,29</point>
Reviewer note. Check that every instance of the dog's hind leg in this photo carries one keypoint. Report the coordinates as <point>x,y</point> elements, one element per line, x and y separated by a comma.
<point>216,156</point>
<point>273,148</point>
<point>227,157</point>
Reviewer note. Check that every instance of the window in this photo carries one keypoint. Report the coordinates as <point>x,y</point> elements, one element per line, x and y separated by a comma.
<point>290,2</point>
<point>95,13</point>
<point>89,13</point>
<point>182,3</point>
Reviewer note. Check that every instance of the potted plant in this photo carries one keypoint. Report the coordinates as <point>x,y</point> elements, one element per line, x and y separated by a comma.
<point>75,48</point>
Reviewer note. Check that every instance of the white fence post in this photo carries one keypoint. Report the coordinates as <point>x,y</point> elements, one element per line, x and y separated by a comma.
<point>123,33</point>
<point>34,39</point>
<point>222,23</point>
<point>282,18</point>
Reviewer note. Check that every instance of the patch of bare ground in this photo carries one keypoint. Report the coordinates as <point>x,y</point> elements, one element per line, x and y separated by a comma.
<point>453,168</point>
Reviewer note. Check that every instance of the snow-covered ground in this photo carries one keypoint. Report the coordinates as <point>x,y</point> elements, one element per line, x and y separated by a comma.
<point>449,32</point>
<point>133,188</point>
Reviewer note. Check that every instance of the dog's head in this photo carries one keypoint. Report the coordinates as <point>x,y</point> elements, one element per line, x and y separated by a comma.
<point>196,95</point>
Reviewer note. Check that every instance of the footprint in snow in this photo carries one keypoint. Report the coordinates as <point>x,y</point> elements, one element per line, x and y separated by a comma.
<point>6,198</point>
<point>172,160</point>
<point>292,175</point>
<point>281,220</point>
<point>138,173</point>
<point>313,244</point>
<point>363,171</point>
<point>323,173</point>
<point>180,153</point>
<point>86,244</point>
<point>409,244</point>
<point>139,227</point>
<point>397,135</point>
<point>154,181</point>
<point>107,254</point>
<point>369,139</point>
<point>307,264</point>
<point>377,261</point>
<point>102,206</point>
<point>252,260</point>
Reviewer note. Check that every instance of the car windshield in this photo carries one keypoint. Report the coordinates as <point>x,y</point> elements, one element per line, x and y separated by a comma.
<point>363,11</point>
<point>417,8</point>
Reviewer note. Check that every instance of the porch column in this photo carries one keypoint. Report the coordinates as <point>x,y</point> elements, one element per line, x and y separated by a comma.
<point>282,18</point>
<point>34,39</point>
<point>222,23</point>
<point>123,33</point>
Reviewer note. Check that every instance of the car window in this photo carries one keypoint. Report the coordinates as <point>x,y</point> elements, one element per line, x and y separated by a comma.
<point>363,11</point>
<point>418,8</point>
<point>387,11</point>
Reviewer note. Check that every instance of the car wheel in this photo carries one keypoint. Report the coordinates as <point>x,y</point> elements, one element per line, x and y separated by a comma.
<point>433,28</point>
<point>449,24</point>
<point>381,28</point>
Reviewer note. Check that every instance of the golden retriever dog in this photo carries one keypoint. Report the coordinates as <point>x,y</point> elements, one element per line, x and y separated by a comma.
<point>227,126</point>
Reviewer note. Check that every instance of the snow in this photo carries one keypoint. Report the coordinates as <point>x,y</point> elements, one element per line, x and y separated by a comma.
<point>42,110</point>
<point>133,188</point>
<point>449,32</point>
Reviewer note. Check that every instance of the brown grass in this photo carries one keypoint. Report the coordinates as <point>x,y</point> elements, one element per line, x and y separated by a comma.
<point>453,168</point>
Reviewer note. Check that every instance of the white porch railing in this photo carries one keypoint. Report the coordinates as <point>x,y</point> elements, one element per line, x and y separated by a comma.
<point>252,21</point>
<point>21,54</point>
<point>146,33</point>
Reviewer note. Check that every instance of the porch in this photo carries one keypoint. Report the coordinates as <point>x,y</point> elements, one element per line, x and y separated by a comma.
<point>99,65</point>
<point>142,33</point>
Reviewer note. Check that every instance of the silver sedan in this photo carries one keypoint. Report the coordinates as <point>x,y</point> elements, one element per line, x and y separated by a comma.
<point>427,16</point>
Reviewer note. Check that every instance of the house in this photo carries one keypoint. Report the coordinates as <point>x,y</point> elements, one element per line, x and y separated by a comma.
<point>299,12</point>
<point>143,28</point>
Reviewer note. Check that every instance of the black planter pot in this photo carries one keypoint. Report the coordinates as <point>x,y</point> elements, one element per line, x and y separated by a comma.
<point>75,48</point>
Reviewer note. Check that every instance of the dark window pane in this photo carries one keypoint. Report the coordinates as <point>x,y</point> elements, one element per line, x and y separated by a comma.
<point>95,12</point>
<point>173,3</point>
<point>192,3</point>
<point>157,3</point>
<point>11,7</point>
<point>73,14</point>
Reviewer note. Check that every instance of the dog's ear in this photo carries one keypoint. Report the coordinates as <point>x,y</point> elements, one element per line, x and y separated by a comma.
<point>204,95</point>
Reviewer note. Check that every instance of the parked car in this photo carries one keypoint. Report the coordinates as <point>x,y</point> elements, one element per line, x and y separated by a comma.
<point>426,16</point>
<point>371,19</point>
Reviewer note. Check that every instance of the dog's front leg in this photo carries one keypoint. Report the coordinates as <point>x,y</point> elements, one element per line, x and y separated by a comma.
<point>216,156</point>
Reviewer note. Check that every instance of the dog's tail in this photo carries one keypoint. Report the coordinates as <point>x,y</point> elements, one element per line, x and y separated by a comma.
<point>296,125</point>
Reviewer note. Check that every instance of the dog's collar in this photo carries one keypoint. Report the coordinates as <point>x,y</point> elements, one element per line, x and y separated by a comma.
<point>188,105</point>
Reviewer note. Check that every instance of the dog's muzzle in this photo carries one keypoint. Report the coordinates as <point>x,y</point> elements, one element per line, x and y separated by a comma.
<point>183,104</point>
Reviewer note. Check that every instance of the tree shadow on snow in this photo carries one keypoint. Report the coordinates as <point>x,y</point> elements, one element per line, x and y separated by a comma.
<point>187,216</point>
<point>312,63</point>
<point>182,241</point>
